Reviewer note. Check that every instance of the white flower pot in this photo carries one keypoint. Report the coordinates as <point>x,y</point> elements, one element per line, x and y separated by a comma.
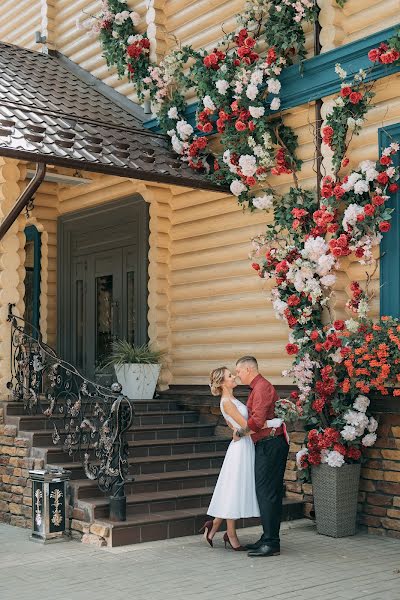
<point>138,381</point>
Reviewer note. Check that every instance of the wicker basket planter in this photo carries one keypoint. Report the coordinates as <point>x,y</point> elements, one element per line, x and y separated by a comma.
<point>335,492</point>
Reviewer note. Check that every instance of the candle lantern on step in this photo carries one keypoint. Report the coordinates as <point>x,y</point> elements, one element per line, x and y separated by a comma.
<point>49,490</point>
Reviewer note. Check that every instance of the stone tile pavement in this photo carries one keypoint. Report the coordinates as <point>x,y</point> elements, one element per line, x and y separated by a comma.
<point>310,567</point>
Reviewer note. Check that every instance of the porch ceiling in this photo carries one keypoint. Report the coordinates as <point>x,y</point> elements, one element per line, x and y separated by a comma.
<point>52,112</point>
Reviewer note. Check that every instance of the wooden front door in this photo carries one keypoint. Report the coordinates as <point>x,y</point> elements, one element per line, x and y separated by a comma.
<point>103,294</point>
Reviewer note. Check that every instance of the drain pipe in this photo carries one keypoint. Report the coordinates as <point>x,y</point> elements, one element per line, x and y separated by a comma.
<point>23,199</point>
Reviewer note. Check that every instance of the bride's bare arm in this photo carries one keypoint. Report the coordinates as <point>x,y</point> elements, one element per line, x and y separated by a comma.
<point>234,413</point>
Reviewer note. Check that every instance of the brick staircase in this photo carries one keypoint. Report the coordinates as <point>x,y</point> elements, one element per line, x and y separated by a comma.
<point>177,447</point>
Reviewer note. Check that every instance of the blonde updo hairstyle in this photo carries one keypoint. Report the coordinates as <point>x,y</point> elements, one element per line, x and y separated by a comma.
<point>217,377</point>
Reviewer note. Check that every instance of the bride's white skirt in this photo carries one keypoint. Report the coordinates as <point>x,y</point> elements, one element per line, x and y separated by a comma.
<point>235,491</point>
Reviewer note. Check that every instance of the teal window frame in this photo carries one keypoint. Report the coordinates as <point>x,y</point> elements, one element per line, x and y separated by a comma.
<point>390,244</point>
<point>33,235</point>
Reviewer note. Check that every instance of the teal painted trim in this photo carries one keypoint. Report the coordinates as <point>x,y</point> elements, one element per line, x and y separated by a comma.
<point>315,77</point>
<point>390,245</point>
<point>32,234</point>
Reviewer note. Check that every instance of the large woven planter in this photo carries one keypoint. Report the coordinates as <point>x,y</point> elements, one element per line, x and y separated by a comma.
<point>335,492</point>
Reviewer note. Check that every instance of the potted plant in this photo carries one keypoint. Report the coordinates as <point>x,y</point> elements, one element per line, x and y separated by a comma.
<point>137,369</point>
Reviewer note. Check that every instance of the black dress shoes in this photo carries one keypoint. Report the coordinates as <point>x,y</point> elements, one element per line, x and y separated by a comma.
<point>254,546</point>
<point>264,550</point>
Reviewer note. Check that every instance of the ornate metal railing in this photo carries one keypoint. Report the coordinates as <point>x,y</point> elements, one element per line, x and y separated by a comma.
<point>88,420</point>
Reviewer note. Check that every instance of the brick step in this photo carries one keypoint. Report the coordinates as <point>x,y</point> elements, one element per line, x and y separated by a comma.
<point>156,482</point>
<point>43,438</point>
<point>40,422</point>
<point>157,404</point>
<point>171,524</point>
<point>155,502</point>
<point>161,464</point>
<point>56,455</point>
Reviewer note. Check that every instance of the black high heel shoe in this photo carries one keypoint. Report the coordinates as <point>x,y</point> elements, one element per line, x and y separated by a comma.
<point>228,541</point>
<point>207,528</point>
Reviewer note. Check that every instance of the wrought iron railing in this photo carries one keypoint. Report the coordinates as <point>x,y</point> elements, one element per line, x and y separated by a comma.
<point>88,420</point>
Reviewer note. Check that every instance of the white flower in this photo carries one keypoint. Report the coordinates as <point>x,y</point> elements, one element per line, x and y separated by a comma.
<point>237,187</point>
<point>358,419</point>
<point>248,164</point>
<point>251,92</point>
<point>373,425</point>
<point>370,175</point>
<point>360,187</point>
<point>177,144</point>
<point>314,248</point>
<point>352,325</point>
<point>299,456</point>
<point>256,111</point>
<point>121,17</point>
<point>325,264</point>
<point>351,122</point>
<point>328,280</point>
<point>334,459</point>
<point>275,104</point>
<point>369,439</point>
<point>341,72</point>
<point>390,171</point>
<point>263,202</point>
<point>173,113</point>
<point>256,77</point>
<point>222,86</point>
<point>339,102</point>
<point>349,433</point>
<point>135,18</point>
<point>353,177</point>
<point>350,215</point>
<point>208,103</point>
<point>365,165</point>
<point>361,403</point>
<point>184,129</point>
<point>115,34</point>
<point>274,86</point>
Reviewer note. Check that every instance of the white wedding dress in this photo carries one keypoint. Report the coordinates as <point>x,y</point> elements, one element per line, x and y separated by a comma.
<point>235,491</point>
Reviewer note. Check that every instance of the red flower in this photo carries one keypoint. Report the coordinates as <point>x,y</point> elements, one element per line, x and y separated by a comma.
<point>271,56</point>
<point>369,210</point>
<point>355,97</point>
<point>393,187</point>
<point>339,325</point>
<point>340,448</point>
<point>314,335</point>
<point>318,405</point>
<point>385,160</point>
<point>384,226</point>
<point>251,126</point>
<point>207,127</point>
<point>292,348</point>
<point>240,126</point>
<point>377,200</point>
<point>345,162</point>
<point>294,395</point>
<point>382,178</point>
<point>354,453</point>
<point>345,91</point>
<point>250,42</point>
<point>134,51</point>
<point>319,347</point>
<point>374,55</point>
<point>293,300</point>
<point>251,181</point>
<point>256,266</point>
<point>211,61</point>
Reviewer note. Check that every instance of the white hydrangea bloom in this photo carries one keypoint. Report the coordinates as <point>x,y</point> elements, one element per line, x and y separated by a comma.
<point>256,77</point>
<point>208,103</point>
<point>256,111</point>
<point>274,86</point>
<point>373,425</point>
<point>361,403</point>
<point>252,92</point>
<point>356,418</point>
<point>361,186</point>
<point>173,113</point>
<point>349,433</point>
<point>275,104</point>
<point>328,280</point>
<point>334,459</point>
<point>299,456</point>
<point>350,215</point>
<point>263,202</point>
<point>237,187</point>
<point>184,129</point>
<point>369,439</point>
<point>352,325</point>
<point>121,17</point>
<point>325,264</point>
<point>222,86</point>
<point>353,177</point>
<point>177,144</point>
<point>248,164</point>
<point>314,248</point>
<point>135,18</point>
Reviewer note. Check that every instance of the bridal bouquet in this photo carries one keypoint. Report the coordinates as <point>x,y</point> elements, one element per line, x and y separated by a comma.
<point>287,410</point>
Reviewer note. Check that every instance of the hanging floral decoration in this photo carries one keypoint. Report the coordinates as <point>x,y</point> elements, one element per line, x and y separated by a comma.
<point>336,363</point>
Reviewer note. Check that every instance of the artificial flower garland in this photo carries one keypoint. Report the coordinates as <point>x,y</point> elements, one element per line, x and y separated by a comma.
<point>237,86</point>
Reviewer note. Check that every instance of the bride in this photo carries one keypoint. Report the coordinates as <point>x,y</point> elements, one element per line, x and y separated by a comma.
<point>235,491</point>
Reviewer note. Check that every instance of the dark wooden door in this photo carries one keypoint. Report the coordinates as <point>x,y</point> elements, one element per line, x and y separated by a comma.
<point>105,294</point>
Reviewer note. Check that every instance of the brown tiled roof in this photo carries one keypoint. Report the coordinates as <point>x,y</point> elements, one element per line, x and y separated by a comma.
<point>50,112</point>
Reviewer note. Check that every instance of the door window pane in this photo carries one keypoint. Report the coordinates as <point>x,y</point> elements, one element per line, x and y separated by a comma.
<point>130,307</point>
<point>104,303</point>
<point>29,266</point>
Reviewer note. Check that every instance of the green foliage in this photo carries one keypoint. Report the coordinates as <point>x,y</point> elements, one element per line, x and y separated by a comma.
<point>125,353</point>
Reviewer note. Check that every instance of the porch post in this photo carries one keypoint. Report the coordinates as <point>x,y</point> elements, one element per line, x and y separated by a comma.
<point>10,261</point>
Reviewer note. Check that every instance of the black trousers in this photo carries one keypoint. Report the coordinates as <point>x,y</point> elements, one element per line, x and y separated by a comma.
<point>271,456</point>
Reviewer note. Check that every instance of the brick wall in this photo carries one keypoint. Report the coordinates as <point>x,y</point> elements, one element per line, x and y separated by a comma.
<point>379,507</point>
<point>15,486</point>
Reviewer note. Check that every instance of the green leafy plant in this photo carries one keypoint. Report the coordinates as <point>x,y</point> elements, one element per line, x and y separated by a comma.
<point>123,353</point>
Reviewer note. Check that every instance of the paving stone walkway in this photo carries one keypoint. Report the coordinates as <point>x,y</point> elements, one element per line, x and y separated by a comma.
<point>310,567</point>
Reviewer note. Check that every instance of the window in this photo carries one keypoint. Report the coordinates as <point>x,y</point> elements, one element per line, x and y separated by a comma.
<point>32,276</point>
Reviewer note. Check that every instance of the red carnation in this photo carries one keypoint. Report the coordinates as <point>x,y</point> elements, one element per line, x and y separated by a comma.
<point>318,405</point>
<point>292,348</point>
<point>354,453</point>
<point>207,127</point>
<point>383,178</point>
<point>355,97</point>
<point>339,325</point>
<point>293,300</point>
<point>377,200</point>
<point>385,160</point>
<point>384,226</point>
<point>345,91</point>
<point>240,126</point>
<point>369,210</point>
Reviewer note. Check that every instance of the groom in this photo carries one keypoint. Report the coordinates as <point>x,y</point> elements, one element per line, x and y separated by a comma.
<point>271,455</point>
